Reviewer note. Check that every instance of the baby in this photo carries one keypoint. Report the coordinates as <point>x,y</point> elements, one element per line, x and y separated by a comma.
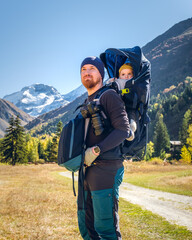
<point>126,73</point>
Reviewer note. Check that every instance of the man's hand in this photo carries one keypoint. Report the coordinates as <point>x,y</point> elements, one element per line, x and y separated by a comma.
<point>90,156</point>
<point>131,136</point>
<point>133,125</point>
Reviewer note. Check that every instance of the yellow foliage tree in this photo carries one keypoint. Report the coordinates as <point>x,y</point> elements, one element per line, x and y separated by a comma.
<point>189,139</point>
<point>32,150</point>
<point>149,151</point>
<point>185,155</point>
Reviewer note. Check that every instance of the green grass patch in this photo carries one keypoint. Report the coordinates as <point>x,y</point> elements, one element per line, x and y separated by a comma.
<point>173,179</point>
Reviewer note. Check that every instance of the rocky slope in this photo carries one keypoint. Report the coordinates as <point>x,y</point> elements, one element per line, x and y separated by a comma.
<point>8,109</point>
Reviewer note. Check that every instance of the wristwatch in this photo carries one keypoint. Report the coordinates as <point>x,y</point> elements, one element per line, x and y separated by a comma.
<point>97,150</point>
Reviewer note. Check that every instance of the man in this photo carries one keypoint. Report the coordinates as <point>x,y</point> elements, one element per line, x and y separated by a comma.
<point>98,218</point>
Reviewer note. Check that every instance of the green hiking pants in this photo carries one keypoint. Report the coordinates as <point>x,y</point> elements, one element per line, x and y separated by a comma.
<point>98,218</point>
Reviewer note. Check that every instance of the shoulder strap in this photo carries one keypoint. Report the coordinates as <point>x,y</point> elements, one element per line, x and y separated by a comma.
<point>97,100</point>
<point>73,183</point>
<point>87,120</point>
<point>102,91</point>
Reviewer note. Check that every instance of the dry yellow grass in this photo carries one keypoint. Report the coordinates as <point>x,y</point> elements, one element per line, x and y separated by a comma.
<point>148,167</point>
<point>36,205</point>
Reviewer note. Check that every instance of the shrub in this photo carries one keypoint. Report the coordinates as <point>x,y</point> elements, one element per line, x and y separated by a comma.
<point>40,161</point>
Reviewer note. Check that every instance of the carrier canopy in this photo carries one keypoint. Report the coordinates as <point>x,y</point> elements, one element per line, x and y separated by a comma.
<point>113,59</point>
<point>136,94</point>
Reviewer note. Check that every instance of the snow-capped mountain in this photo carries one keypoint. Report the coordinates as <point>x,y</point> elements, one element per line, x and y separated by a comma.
<point>37,99</point>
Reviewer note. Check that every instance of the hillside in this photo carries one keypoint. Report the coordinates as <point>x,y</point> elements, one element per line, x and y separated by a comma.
<point>8,109</point>
<point>170,55</point>
<point>172,103</point>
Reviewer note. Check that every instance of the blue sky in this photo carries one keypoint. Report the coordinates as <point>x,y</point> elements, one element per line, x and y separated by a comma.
<point>45,41</point>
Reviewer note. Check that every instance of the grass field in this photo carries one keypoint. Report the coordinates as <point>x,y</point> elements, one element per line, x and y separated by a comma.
<point>168,178</point>
<point>38,203</point>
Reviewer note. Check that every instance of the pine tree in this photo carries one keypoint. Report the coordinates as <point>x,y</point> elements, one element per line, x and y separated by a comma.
<point>1,156</point>
<point>183,134</point>
<point>54,149</point>
<point>13,144</point>
<point>53,146</point>
<point>8,146</point>
<point>48,150</point>
<point>161,137</point>
<point>41,151</point>
<point>20,144</point>
<point>51,149</point>
<point>59,129</point>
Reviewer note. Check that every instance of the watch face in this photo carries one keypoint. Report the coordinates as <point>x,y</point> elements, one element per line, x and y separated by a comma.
<point>97,149</point>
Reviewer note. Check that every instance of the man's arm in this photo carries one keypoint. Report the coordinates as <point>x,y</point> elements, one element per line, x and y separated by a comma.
<point>115,110</point>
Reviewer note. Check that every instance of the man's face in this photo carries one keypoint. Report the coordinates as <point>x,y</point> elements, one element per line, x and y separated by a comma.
<point>90,76</point>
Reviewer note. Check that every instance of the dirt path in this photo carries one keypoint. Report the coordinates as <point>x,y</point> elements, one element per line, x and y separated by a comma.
<point>175,208</point>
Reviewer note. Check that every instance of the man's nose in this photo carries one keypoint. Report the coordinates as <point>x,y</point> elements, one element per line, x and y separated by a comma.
<point>87,71</point>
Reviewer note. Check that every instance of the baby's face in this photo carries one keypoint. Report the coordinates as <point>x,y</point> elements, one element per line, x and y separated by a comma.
<point>126,74</point>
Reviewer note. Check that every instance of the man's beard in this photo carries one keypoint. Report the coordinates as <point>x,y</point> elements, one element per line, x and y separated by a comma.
<point>88,84</point>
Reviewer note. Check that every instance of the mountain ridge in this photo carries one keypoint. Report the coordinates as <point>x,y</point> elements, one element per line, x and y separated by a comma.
<point>171,58</point>
<point>37,99</point>
<point>8,109</point>
<point>175,30</point>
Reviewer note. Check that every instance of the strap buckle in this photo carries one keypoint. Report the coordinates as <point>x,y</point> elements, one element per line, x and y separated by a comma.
<point>125,91</point>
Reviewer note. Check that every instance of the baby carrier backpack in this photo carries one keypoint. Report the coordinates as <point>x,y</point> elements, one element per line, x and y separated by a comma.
<point>136,93</point>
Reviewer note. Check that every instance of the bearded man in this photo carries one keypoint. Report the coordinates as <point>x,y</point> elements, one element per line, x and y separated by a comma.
<point>104,169</point>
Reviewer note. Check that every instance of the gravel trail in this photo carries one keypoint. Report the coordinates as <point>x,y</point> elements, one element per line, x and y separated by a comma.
<point>175,208</point>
